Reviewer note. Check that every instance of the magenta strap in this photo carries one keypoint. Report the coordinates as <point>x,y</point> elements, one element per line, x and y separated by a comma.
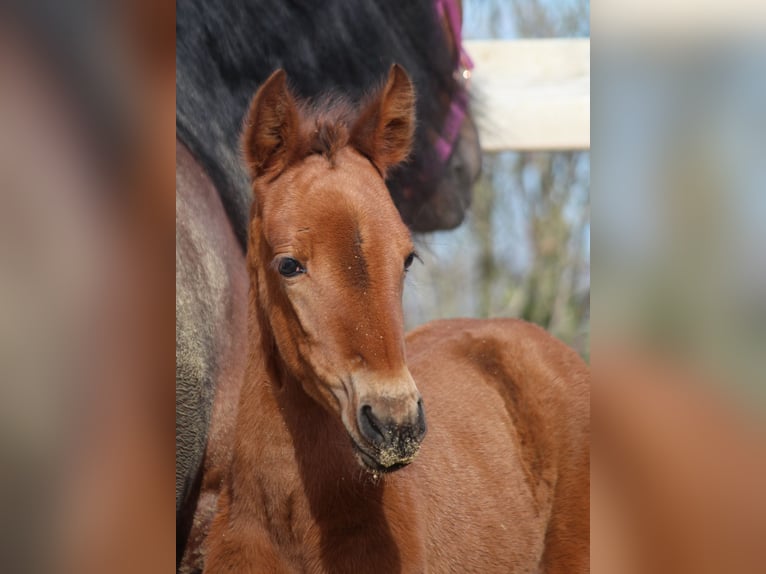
<point>451,128</point>
<point>458,108</point>
<point>448,9</point>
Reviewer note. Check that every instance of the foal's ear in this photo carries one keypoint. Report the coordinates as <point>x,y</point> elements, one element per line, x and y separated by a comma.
<point>386,125</point>
<point>271,127</point>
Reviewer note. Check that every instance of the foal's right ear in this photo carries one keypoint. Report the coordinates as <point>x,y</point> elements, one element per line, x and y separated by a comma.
<point>271,127</point>
<point>384,130</point>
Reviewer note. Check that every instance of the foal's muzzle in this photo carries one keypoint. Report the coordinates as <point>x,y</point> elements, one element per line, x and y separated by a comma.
<point>391,441</point>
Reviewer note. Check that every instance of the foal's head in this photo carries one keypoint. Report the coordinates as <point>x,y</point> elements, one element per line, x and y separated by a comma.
<point>328,253</point>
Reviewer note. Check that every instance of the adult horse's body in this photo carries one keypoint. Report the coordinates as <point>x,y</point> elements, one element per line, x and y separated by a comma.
<point>211,293</point>
<point>330,470</point>
<point>224,51</point>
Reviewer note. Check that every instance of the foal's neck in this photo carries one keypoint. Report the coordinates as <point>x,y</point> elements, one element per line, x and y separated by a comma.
<point>299,427</point>
<point>293,451</point>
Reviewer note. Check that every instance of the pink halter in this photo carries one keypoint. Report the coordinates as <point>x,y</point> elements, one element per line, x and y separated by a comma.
<point>458,107</point>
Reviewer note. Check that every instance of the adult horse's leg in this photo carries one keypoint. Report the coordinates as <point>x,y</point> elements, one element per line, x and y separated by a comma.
<point>211,291</point>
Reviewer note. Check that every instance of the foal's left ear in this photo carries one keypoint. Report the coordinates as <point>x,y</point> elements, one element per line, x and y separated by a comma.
<point>386,125</point>
<point>271,127</point>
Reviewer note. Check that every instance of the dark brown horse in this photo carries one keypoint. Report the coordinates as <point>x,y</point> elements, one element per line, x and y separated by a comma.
<point>332,470</point>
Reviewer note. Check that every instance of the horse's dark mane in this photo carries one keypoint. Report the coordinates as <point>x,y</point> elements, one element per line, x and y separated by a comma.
<point>225,50</point>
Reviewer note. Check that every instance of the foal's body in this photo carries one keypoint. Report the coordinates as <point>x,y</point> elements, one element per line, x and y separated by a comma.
<point>505,464</point>
<point>328,473</point>
<point>507,412</point>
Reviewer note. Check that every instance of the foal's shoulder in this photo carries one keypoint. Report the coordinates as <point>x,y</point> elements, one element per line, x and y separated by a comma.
<point>513,335</point>
<point>464,329</point>
<point>513,344</point>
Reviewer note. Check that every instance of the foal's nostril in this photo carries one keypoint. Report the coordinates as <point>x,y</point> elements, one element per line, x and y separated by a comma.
<point>371,426</point>
<point>384,434</point>
<point>421,423</point>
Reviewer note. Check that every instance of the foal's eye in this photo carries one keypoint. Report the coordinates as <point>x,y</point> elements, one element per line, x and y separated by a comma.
<point>408,261</point>
<point>290,267</point>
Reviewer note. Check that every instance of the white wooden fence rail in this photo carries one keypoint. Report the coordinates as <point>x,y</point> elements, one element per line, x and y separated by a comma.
<point>532,94</point>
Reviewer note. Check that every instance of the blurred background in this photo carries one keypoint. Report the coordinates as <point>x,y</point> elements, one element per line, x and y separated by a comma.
<point>678,455</point>
<point>87,106</point>
<point>524,249</point>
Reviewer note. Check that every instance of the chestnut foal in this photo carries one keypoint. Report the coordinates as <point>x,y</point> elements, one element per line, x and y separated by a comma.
<point>330,472</point>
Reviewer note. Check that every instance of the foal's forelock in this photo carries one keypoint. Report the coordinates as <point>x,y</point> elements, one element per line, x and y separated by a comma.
<point>325,128</point>
<point>328,136</point>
